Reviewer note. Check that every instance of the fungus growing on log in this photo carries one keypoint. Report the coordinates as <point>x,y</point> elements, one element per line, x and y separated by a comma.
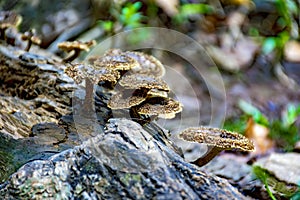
<point>137,81</point>
<point>8,19</point>
<point>31,38</point>
<point>148,64</point>
<point>159,106</point>
<point>79,72</point>
<point>120,62</point>
<point>157,93</point>
<point>126,99</point>
<point>74,48</point>
<point>217,141</point>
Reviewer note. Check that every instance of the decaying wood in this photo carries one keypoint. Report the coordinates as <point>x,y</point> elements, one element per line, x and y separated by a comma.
<point>101,159</point>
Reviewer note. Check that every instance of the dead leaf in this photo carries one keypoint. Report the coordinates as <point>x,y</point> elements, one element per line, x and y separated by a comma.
<point>259,135</point>
<point>234,54</point>
<point>169,6</point>
<point>292,51</point>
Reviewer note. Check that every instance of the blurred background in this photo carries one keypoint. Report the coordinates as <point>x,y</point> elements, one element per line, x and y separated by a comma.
<point>254,45</point>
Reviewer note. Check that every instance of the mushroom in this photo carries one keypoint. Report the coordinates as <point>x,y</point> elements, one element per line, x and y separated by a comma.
<point>217,141</point>
<point>126,99</point>
<point>32,39</point>
<point>74,48</point>
<point>137,81</point>
<point>157,93</point>
<point>79,72</point>
<point>162,107</point>
<point>147,64</point>
<point>91,76</point>
<point>8,19</point>
<point>120,62</point>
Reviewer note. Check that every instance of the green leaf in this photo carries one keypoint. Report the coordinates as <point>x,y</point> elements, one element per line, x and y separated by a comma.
<point>249,109</point>
<point>253,32</point>
<point>107,25</point>
<point>263,175</point>
<point>269,45</point>
<point>191,9</point>
<point>290,115</point>
<point>137,5</point>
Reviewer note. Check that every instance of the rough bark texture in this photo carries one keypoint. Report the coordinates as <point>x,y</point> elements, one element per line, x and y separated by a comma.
<point>116,159</point>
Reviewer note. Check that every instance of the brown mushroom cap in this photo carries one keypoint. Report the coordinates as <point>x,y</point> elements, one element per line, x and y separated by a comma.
<point>126,99</point>
<point>136,81</point>
<point>157,93</point>
<point>163,107</point>
<point>79,72</point>
<point>217,137</point>
<point>30,35</point>
<point>9,19</point>
<point>115,62</point>
<point>76,45</point>
<point>147,64</point>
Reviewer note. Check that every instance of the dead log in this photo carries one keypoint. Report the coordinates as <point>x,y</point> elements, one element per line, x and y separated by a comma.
<point>118,158</point>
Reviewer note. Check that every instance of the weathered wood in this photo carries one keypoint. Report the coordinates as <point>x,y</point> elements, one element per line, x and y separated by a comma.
<point>118,158</point>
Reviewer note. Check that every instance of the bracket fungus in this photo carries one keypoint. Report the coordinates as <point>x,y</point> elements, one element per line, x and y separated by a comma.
<point>162,107</point>
<point>217,141</point>
<point>147,64</point>
<point>137,81</point>
<point>79,72</point>
<point>8,19</point>
<point>31,38</point>
<point>120,62</point>
<point>126,99</point>
<point>74,48</point>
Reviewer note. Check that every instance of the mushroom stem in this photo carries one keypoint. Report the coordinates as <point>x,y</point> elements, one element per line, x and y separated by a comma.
<point>211,152</point>
<point>29,43</point>
<point>2,33</point>
<point>72,55</point>
<point>89,96</point>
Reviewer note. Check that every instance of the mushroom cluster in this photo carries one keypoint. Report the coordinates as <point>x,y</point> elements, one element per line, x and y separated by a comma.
<point>135,80</point>
<point>140,88</point>
<point>8,19</point>
<point>9,23</point>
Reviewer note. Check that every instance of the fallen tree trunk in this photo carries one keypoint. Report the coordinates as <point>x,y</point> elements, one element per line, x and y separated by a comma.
<point>117,159</point>
<point>125,161</point>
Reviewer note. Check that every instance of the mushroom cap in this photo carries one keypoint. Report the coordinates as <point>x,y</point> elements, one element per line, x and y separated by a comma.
<point>9,18</point>
<point>79,72</point>
<point>163,107</point>
<point>136,81</point>
<point>147,64</point>
<point>30,35</point>
<point>217,137</point>
<point>76,45</point>
<point>157,93</point>
<point>115,62</point>
<point>126,99</point>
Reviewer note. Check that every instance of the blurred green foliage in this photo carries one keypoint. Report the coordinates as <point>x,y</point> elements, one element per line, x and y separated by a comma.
<point>263,175</point>
<point>283,130</point>
<point>270,181</point>
<point>126,17</point>
<point>252,111</point>
<point>188,10</point>
<point>286,9</point>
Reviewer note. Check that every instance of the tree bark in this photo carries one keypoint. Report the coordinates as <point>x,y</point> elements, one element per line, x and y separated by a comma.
<point>99,158</point>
